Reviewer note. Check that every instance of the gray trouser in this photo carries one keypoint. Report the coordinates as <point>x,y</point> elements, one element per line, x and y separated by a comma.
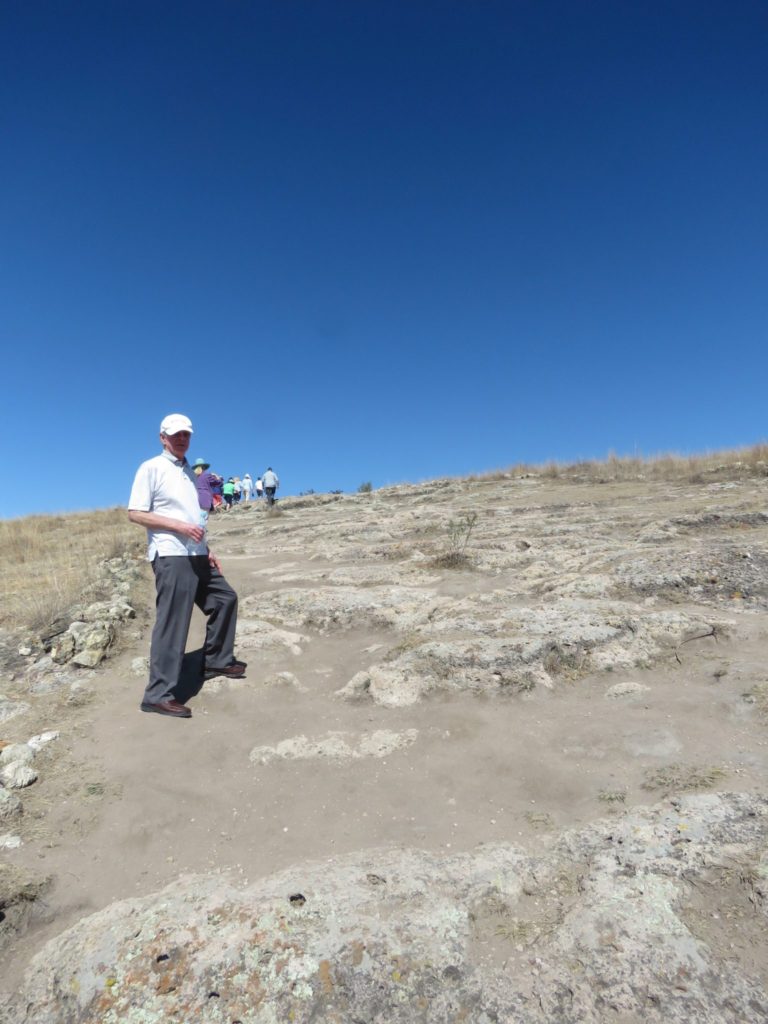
<point>182,581</point>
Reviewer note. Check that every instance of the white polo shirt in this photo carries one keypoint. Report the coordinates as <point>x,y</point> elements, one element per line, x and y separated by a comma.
<point>166,486</point>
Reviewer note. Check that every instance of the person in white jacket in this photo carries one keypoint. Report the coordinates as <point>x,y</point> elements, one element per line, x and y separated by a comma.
<point>247,487</point>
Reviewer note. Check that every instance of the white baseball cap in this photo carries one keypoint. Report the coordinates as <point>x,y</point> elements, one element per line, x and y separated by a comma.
<point>174,423</point>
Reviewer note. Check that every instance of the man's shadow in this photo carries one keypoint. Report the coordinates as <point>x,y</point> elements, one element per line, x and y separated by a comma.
<point>191,677</point>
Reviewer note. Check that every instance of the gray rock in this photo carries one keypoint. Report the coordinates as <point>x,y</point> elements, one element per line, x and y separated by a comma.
<point>602,927</point>
<point>10,805</point>
<point>96,611</point>
<point>97,637</point>
<point>64,648</point>
<point>628,689</point>
<point>89,657</point>
<point>19,890</point>
<point>256,634</point>
<point>336,746</point>
<point>43,739</point>
<point>139,666</point>
<point>11,708</point>
<point>121,611</point>
<point>17,775</point>
<point>17,752</point>
<point>480,643</point>
<point>80,694</point>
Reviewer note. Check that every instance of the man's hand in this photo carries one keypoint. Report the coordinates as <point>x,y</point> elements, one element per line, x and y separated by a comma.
<point>153,521</point>
<point>214,562</point>
<point>195,533</point>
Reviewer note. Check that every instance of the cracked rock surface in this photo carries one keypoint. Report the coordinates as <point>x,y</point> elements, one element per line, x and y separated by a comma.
<point>604,924</point>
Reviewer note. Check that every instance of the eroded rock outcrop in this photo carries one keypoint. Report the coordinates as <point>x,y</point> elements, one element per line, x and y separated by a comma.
<point>608,925</point>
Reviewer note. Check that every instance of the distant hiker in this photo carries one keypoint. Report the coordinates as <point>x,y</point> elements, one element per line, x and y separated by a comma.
<point>271,483</point>
<point>247,487</point>
<point>217,483</point>
<point>238,489</point>
<point>228,493</point>
<point>259,488</point>
<point>164,499</point>
<point>204,480</point>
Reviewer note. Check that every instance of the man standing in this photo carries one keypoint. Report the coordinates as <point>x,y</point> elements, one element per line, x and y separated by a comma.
<point>164,499</point>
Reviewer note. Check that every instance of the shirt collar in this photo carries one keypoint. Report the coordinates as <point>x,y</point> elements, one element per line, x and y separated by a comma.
<point>173,459</point>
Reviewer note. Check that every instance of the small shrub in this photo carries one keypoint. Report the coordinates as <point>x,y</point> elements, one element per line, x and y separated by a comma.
<point>612,796</point>
<point>562,661</point>
<point>681,776</point>
<point>459,532</point>
<point>365,488</point>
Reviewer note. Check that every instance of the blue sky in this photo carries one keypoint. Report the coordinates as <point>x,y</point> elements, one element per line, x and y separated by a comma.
<point>377,241</point>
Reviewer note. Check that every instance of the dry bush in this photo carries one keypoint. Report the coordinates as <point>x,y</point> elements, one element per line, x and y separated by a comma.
<point>451,560</point>
<point>681,777</point>
<point>612,796</point>
<point>50,563</point>
<point>459,532</point>
<point>569,662</point>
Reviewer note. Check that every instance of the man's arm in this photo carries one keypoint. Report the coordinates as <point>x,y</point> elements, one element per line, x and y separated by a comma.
<point>153,521</point>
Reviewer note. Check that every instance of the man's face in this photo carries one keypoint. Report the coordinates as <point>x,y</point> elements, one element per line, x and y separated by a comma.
<point>176,444</point>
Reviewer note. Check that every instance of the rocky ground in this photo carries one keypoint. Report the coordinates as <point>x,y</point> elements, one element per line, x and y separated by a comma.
<point>500,756</point>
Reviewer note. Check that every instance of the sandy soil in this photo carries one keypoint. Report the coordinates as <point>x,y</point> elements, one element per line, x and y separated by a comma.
<point>136,800</point>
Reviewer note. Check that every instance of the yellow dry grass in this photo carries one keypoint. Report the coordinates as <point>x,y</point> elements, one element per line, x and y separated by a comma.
<point>50,563</point>
<point>739,462</point>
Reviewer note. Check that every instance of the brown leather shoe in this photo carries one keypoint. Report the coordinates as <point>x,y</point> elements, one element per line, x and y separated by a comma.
<point>168,707</point>
<point>235,670</point>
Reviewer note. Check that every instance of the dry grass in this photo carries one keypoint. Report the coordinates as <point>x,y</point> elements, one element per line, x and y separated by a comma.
<point>740,462</point>
<point>682,777</point>
<point>50,563</point>
<point>451,560</point>
<point>612,796</point>
<point>566,663</point>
